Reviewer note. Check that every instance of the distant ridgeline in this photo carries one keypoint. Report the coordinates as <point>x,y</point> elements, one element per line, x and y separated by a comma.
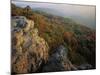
<point>78,40</point>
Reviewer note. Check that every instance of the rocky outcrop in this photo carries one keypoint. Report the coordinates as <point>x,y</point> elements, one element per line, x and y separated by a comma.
<point>29,50</point>
<point>58,61</point>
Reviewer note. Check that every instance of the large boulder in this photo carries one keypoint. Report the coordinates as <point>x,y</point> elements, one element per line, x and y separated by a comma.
<point>58,61</point>
<point>29,50</point>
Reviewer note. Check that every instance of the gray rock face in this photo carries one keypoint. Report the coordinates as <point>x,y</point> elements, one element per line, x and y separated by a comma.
<point>21,21</point>
<point>58,61</point>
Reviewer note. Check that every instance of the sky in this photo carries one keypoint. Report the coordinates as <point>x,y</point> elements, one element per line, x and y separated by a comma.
<point>83,14</point>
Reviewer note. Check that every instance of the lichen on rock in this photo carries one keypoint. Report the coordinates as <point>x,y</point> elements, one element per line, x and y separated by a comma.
<point>29,50</point>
